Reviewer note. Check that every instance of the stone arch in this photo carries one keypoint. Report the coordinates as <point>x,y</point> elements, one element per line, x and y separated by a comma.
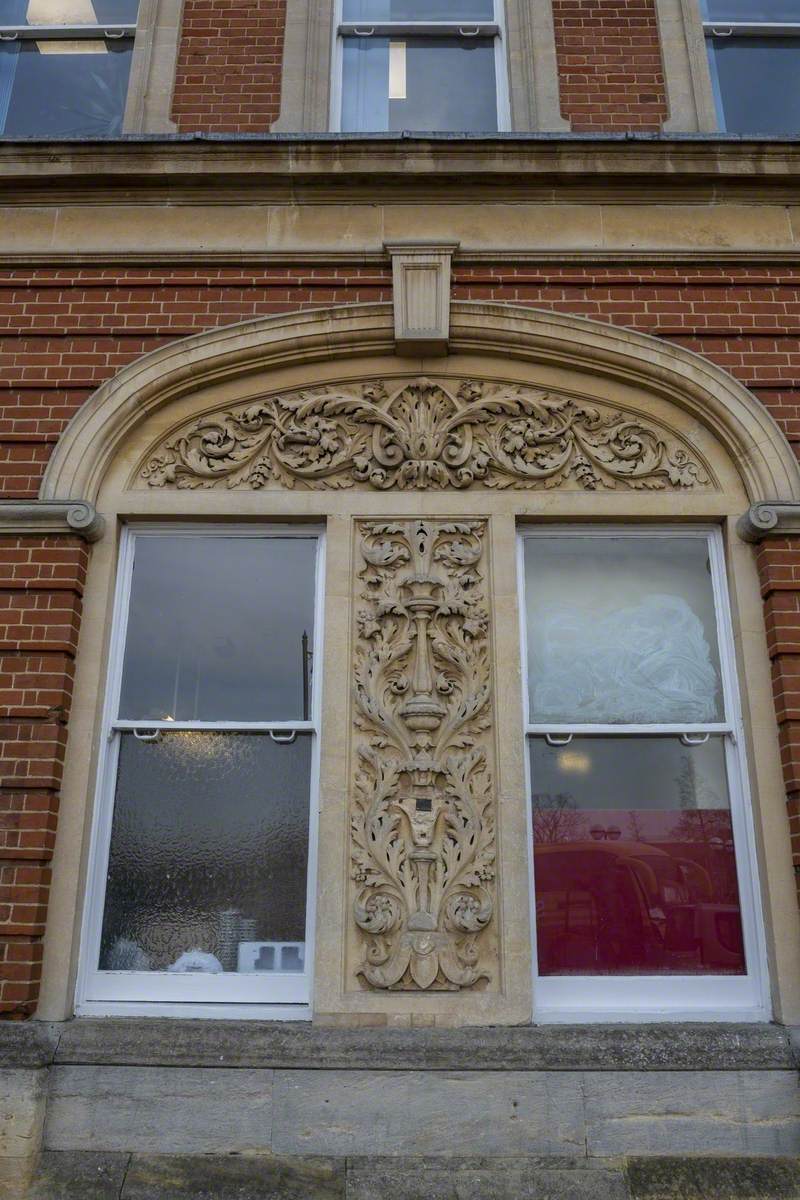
<point>740,424</point>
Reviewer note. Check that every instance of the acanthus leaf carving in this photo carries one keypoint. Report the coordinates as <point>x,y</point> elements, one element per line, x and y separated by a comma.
<point>422,434</point>
<point>422,813</point>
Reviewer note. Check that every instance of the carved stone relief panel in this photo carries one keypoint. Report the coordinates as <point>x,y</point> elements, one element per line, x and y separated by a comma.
<point>422,810</point>
<point>421,434</point>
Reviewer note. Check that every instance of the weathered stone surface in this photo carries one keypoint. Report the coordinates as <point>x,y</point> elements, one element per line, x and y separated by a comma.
<point>176,1110</point>
<point>22,1104</point>
<point>714,1178</point>
<point>233,1178</point>
<point>724,1112</point>
<point>665,1047</point>
<point>27,1043</point>
<point>78,1175</point>
<point>485,1179</point>
<point>412,1112</point>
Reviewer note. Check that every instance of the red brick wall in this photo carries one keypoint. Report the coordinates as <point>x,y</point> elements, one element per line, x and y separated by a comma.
<point>41,584</point>
<point>228,78</point>
<point>63,332</point>
<point>609,64</point>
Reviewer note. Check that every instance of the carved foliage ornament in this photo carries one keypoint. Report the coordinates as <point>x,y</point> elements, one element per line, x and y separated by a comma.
<point>422,813</point>
<point>423,434</point>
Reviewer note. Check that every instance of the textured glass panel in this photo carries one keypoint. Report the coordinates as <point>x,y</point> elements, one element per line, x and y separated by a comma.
<point>418,10</point>
<point>634,864</point>
<point>751,10</point>
<point>216,627</point>
<point>621,631</point>
<point>63,88</point>
<point>68,12</point>
<point>209,851</point>
<point>759,83</point>
<point>449,85</point>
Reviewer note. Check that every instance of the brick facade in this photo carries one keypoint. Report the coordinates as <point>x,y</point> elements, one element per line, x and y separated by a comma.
<point>66,330</point>
<point>609,64</point>
<point>41,584</point>
<point>228,78</point>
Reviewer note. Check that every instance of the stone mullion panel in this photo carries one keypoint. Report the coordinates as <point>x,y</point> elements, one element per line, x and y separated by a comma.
<point>779,570</point>
<point>41,589</point>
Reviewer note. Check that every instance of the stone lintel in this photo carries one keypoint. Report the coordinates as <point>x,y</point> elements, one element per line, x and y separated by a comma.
<point>76,517</point>
<point>421,290</point>
<point>770,518</point>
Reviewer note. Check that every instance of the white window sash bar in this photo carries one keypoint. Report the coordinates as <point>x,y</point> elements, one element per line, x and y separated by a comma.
<point>219,726</point>
<point>42,33</point>
<point>465,29</point>
<point>751,28</point>
<point>541,729</point>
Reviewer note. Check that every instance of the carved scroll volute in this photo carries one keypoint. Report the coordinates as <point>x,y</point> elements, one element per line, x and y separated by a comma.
<point>422,812</point>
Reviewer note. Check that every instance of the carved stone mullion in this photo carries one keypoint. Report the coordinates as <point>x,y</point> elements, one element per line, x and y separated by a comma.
<point>422,809</point>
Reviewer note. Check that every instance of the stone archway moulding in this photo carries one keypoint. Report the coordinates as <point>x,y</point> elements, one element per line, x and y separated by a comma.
<point>739,422</point>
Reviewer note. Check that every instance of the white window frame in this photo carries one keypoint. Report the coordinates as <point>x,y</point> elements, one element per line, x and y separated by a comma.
<point>718,29</point>
<point>273,995</point>
<point>494,28</point>
<point>587,998</point>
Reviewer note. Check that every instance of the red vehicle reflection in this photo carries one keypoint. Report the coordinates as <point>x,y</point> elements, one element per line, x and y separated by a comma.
<point>606,904</point>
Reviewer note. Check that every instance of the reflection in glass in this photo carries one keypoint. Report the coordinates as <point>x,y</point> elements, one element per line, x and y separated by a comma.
<point>759,83</point>
<point>64,88</point>
<point>68,12</point>
<point>216,629</point>
<point>418,10</point>
<point>448,85</point>
<point>209,851</point>
<point>634,863</point>
<point>621,631</point>
<point>750,10</point>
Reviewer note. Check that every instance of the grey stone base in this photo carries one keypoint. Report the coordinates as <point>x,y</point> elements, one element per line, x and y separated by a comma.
<point>88,1175</point>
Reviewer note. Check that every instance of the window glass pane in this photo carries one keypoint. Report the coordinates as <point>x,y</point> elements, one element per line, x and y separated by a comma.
<point>436,85</point>
<point>759,83</point>
<point>751,10</point>
<point>634,864</point>
<point>418,10</point>
<point>64,88</point>
<point>209,852</point>
<point>621,631</point>
<point>68,12</point>
<point>216,629</point>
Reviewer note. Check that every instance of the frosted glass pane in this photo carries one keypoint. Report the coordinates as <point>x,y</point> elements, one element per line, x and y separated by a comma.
<point>418,10</point>
<point>209,853</point>
<point>448,85</point>
<point>216,629</point>
<point>759,83</point>
<point>634,863</point>
<point>621,631</point>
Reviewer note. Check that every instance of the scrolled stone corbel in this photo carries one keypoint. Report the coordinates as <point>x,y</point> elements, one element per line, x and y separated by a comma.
<point>76,517</point>
<point>771,518</point>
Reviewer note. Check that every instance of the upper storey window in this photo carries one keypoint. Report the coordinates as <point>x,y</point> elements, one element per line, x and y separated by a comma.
<point>64,66</point>
<point>421,66</point>
<point>754,55</point>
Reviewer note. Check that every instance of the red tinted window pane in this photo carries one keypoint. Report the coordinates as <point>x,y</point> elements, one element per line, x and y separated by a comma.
<point>635,870</point>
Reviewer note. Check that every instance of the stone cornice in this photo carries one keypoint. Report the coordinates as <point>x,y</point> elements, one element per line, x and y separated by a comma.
<point>337,165</point>
<point>75,517</point>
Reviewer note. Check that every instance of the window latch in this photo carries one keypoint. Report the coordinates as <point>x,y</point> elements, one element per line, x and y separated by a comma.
<point>363,32</point>
<point>694,739</point>
<point>558,739</point>
<point>9,37</point>
<point>114,34</point>
<point>283,739</point>
<point>469,32</point>
<point>726,32</point>
<point>152,735</point>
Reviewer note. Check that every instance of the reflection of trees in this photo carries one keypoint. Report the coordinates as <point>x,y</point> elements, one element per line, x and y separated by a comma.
<point>706,823</point>
<point>638,834</point>
<point>556,818</point>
